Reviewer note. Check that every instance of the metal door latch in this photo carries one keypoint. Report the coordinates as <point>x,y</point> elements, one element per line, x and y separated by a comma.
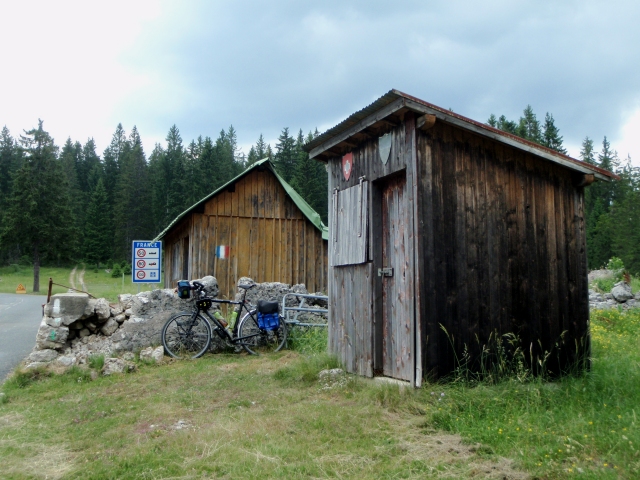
<point>385,272</point>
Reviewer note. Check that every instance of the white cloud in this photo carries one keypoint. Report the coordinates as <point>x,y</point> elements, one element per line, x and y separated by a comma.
<point>64,64</point>
<point>627,142</point>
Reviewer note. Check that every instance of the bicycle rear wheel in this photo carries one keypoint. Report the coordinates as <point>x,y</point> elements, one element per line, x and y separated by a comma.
<point>186,335</point>
<point>258,340</point>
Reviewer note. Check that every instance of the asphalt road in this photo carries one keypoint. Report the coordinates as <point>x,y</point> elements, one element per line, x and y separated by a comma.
<point>20,317</point>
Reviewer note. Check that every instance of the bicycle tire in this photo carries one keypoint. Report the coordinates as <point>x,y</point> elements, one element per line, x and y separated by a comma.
<point>261,341</point>
<point>186,335</point>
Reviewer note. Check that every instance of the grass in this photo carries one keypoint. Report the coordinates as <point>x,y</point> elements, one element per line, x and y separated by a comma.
<point>239,416</point>
<point>99,283</point>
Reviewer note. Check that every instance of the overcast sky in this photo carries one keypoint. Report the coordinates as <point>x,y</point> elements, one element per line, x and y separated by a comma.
<point>83,67</point>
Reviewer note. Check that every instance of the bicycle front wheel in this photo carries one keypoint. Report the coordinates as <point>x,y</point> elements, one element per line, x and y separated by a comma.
<point>186,335</point>
<point>256,340</point>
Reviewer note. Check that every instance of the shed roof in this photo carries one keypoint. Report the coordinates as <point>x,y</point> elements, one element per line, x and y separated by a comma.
<point>300,202</point>
<point>334,141</point>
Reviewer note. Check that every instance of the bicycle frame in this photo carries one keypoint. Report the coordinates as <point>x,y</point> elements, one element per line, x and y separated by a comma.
<point>188,334</point>
<point>220,329</point>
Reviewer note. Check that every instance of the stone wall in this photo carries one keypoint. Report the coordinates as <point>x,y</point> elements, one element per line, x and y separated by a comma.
<point>75,326</point>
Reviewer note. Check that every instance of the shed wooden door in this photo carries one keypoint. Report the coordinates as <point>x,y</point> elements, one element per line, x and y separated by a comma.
<point>397,299</point>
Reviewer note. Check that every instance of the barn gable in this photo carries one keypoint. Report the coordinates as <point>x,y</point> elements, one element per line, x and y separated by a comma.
<point>255,225</point>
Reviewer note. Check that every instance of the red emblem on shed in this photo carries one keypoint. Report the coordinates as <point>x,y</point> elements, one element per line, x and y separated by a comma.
<point>347,165</point>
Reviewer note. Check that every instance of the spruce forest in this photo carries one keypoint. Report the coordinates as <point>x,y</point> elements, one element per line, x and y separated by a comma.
<point>62,205</point>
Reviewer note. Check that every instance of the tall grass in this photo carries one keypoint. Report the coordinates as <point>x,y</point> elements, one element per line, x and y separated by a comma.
<point>307,340</point>
<point>583,424</point>
<point>239,416</point>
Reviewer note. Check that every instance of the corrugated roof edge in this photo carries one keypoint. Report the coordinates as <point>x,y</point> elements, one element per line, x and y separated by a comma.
<point>300,202</point>
<point>394,94</point>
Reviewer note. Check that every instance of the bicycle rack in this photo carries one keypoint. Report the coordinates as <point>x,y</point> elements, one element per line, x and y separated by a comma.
<point>290,314</point>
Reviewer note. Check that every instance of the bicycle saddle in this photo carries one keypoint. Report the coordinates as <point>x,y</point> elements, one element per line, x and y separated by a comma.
<point>246,286</point>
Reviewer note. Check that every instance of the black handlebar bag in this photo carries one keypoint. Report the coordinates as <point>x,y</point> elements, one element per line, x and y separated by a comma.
<point>184,289</point>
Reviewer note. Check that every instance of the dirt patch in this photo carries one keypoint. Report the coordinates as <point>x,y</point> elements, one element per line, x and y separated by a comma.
<point>12,420</point>
<point>450,455</point>
<point>72,278</point>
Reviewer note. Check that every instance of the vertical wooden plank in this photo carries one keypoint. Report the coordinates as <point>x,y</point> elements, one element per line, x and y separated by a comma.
<point>243,255</point>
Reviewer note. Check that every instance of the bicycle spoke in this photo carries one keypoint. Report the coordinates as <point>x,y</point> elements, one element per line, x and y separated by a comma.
<point>256,340</point>
<point>186,336</point>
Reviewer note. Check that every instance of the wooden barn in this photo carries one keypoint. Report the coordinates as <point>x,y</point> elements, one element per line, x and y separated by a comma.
<point>254,226</point>
<point>444,232</point>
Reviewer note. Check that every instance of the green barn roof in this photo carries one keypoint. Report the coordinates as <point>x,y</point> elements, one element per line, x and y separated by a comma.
<point>300,202</point>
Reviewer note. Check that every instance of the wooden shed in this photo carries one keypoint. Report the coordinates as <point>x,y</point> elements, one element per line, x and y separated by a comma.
<point>256,226</point>
<point>445,232</point>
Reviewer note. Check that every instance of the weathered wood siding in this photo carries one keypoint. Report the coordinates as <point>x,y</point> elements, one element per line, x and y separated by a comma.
<point>502,250</point>
<point>270,239</point>
<point>356,323</point>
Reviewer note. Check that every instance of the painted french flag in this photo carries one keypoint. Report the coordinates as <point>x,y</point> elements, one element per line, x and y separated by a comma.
<point>222,251</point>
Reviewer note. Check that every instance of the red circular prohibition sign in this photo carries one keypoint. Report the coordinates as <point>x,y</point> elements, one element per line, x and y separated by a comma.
<point>140,275</point>
<point>141,252</point>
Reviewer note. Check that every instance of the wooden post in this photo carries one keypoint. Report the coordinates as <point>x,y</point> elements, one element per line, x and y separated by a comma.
<point>49,291</point>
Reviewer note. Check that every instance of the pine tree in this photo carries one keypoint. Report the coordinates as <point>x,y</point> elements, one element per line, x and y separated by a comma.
<point>529,126</point>
<point>39,219</point>
<point>98,233</point>
<point>310,178</point>
<point>507,125</point>
<point>112,160</point>
<point>10,161</point>
<point>132,219</point>
<point>71,159</point>
<point>285,160</point>
<point>587,153</point>
<point>90,164</point>
<point>261,148</point>
<point>168,177</point>
<point>252,157</point>
<point>551,135</point>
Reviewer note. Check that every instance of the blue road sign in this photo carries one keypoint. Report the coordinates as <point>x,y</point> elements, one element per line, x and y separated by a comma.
<point>147,262</point>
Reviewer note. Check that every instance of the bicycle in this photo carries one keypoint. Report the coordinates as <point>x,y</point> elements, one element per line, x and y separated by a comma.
<point>188,334</point>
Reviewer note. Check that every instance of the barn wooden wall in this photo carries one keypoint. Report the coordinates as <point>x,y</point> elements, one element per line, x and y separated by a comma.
<point>502,247</point>
<point>270,239</point>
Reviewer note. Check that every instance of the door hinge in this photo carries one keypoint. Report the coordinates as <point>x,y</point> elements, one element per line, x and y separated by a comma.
<point>385,272</point>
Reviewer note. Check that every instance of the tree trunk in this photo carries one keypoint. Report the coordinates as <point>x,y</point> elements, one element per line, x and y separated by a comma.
<point>36,268</point>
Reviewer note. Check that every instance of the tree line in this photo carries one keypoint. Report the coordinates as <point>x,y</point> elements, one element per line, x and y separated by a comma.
<point>69,204</point>
<point>612,209</point>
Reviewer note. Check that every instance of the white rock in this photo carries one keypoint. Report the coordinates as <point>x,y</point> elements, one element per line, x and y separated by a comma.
<point>109,327</point>
<point>116,365</point>
<point>46,355</point>
<point>103,311</point>
<point>621,292</point>
<point>67,360</point>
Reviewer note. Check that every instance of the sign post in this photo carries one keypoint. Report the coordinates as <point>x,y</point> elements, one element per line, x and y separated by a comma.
<point>147,262</point>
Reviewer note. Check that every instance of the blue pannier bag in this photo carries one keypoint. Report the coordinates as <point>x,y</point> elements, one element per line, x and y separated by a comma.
<point>268,315</point>
<point>268,321</point>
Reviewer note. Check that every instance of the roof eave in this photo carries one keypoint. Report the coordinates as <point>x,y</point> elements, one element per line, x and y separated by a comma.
<point>395,101</point>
